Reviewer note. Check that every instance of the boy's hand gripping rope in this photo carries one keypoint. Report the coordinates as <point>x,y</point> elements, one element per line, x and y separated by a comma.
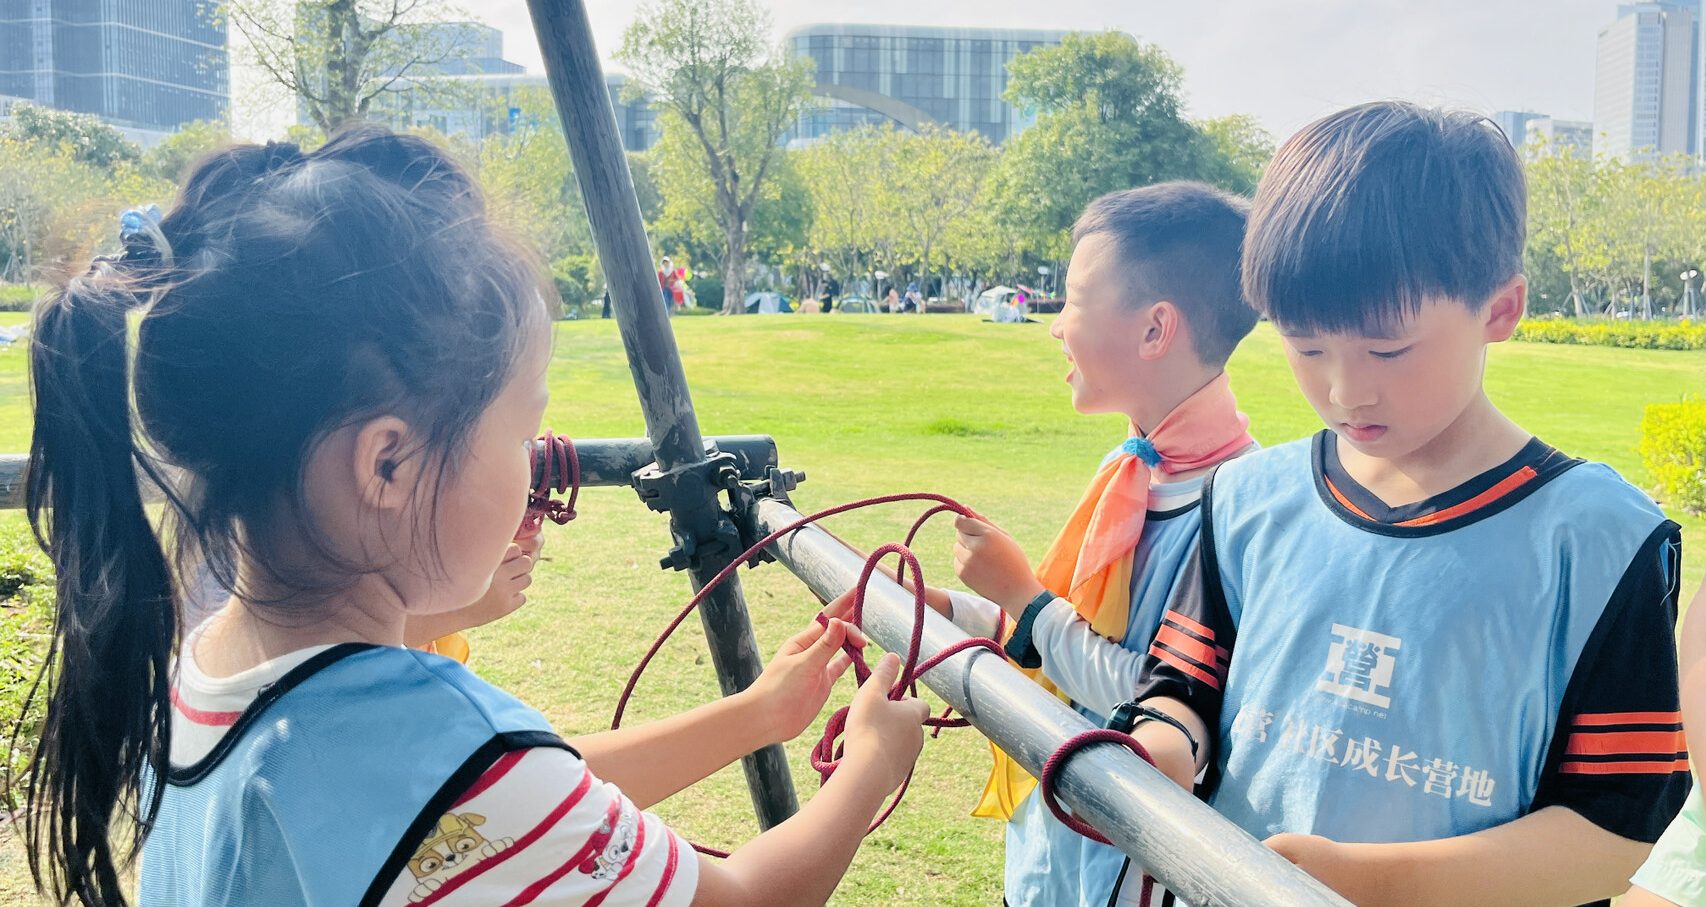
<point>826,755</point>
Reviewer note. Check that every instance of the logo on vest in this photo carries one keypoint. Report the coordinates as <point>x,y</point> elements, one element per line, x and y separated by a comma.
<point>1359,665</point>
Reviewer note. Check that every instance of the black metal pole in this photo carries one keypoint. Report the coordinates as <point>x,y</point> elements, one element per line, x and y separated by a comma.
<point>613,461</point>
<point>601,167</point>
<point>603,462</point>
<point>1197,854</point>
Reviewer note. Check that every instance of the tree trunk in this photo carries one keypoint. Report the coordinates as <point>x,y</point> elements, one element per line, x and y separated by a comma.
<point>1647,284</point>
<point>734,271</point>
<point>924,288</point>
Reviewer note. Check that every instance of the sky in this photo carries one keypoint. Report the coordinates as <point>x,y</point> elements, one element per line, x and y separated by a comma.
<point>1284,61</point>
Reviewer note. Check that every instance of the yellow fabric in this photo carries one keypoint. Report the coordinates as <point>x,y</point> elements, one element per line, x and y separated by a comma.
<point>453,646</point>
<point>1007,787</point>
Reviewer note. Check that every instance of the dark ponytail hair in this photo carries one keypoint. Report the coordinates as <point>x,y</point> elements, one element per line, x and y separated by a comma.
<point>286,295</point>
<point>107,663</point>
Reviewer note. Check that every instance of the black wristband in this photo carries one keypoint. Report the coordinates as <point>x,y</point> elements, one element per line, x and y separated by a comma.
<point>1018,646</point>
<point>1131,713</point>
<point>1145,713</point>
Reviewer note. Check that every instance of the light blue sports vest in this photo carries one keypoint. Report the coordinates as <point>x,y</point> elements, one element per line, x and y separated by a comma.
<point>1048,864</point>
<point>319,794</point>
<point>1403,685</point>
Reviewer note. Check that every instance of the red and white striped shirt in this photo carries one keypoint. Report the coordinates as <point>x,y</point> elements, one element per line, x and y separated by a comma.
<point>536,828</point>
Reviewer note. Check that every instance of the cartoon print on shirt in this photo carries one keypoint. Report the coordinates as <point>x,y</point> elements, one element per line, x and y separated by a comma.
<point>607,865</point>
<point>453,846</point>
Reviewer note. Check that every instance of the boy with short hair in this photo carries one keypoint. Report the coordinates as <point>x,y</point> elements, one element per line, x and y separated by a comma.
<point>1153,310</point>
<point>1451,675</point>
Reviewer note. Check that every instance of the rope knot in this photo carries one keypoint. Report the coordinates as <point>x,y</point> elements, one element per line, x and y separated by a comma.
<point>1143,449</point>
<point>560,471</point>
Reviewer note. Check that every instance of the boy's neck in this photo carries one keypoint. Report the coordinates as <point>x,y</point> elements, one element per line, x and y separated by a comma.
<point>1171,388</point>
<point>1165,389</point>
<point>1481,438</point>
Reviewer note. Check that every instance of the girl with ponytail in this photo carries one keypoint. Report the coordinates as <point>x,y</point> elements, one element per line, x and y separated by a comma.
<point>338,368</point>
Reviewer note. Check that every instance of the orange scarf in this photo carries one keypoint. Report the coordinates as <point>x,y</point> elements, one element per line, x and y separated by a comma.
<point>1090,562</point>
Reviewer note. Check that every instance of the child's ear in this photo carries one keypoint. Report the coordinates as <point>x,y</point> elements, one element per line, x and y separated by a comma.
<point>1161,325</point>
<point>1506,308</point>
<point>385,462</point>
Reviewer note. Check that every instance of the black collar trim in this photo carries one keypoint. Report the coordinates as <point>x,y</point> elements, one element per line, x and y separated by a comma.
<point>190,774</point>
<point>1550,465</point>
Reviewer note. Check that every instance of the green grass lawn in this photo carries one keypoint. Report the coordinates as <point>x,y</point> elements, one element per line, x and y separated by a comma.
<point>873,405</point>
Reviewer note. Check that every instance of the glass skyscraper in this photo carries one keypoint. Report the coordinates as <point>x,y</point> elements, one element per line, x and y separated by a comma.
<point>913,76</point>
<point>145,64</point>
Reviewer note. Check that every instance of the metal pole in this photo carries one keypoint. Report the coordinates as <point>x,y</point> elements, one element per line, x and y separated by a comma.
<point>613,461</point>
<point>603,462</point>
<point>601,167</point>
<point>1198,855</point>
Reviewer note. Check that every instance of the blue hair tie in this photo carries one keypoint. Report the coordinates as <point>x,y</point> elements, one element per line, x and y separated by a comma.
<point>139,232</point>
<point>1142,449</point>
<point>137,221</point>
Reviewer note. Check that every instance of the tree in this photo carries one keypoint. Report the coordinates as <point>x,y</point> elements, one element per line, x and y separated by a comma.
<point>528,179</point>
<point>1109,117</point>
<point>844,175</point>
<point>87,138</point>
<point>689,223</point>
<point>1642,220</point>
<point>172,157</point>
<point>1565,198</point>
<point>706,64</point>
<point>339,57</point>
<point>935,188</point>
<point>56,208</point>
<point>1241,149</point>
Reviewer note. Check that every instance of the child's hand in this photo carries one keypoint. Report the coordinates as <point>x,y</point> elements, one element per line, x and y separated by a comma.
<point>505,594</point>
<point>1332,863</point>
<point>993,565</point>
<point>840,608</point>
<point>884,735</point>
<point>792,689</point>
<point>531,544</point>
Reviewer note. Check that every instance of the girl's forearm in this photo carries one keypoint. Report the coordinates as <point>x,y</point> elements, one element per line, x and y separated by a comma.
<point>802,860</point>
<point>652,761</point>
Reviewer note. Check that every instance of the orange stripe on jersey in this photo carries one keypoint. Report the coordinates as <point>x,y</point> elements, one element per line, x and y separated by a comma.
<point>1626,743</point>
<point>1624,768</point>
<point>1184,664</point>
<point>1346,502</point>
<point>1605,719</point>
<point>1507,485</point>
<point>1189,645</point>
<point>1189,624</point>
<point>211,719</point>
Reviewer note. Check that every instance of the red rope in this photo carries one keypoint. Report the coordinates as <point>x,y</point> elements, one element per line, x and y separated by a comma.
<point>826,754</point>
<point>1051,773</point>
<point>560,472</point>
